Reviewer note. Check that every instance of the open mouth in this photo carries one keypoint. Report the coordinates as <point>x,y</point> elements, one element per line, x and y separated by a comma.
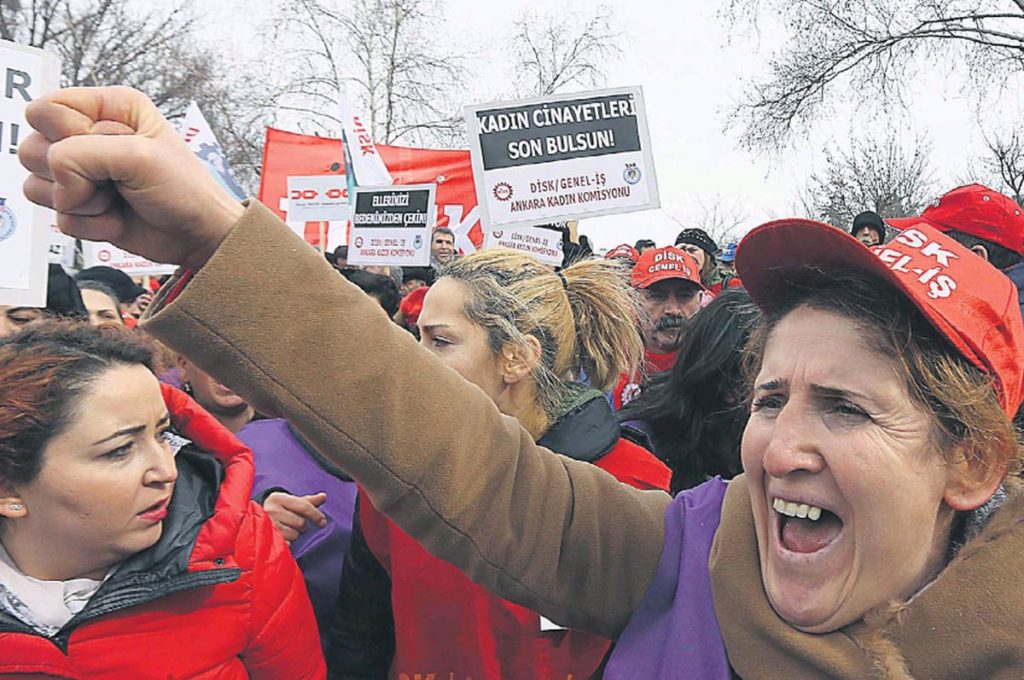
<point>156,512</point>
<point>805,528</point>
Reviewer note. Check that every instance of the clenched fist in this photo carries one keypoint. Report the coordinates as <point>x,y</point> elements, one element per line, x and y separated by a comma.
<point>115,170</point>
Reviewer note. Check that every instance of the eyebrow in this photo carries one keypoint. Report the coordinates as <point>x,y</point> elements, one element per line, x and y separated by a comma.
<point>133,430</point>
<point>433,327</point>
<point>820,390</point>
<point>775,384</point>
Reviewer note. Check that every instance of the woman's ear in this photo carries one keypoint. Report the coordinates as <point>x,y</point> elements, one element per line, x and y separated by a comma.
<point>12,506</point>
<point>971,482</point>
<point>518,361</point>
<point>182,364</point>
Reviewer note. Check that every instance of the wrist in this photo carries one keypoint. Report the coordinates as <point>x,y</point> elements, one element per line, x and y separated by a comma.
<point>219,220</point>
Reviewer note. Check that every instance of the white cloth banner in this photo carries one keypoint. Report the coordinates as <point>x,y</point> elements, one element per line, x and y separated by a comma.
<point>200,139</point>
<point>24,227</point>
<point>97,254</point>
<point>367,165</point>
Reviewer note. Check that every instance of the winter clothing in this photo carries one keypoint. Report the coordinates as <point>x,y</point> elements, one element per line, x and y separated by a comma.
<point>629,386</point>
<point>1016,274</point>
<point>442,623</point>
<point>122,284</point>
<point>474,489</point>
<point>700,238</point>
<point>284,462</point>
<point>217,596</point>
<point>872,220</point>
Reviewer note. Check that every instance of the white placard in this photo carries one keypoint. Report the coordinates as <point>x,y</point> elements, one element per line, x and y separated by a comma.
<point>27,73</point>
<point>562,157</point>
<point>543,244</point>
<point>97,254</point>
<point>199,137</point>
<point>62,248</point>
<point>317,198</point>
<point>392,225</point>
<point>367,165</point>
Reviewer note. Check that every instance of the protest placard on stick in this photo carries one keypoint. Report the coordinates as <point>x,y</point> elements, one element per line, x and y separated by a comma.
<point>27,73</point>
<point>545,245</point>
<point>562,157</point>
<point>96,253</point>
<point>392,225</point>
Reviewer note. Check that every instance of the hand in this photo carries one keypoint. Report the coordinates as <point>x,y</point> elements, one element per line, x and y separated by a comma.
<point>115,170</point>
<point>290,513</point>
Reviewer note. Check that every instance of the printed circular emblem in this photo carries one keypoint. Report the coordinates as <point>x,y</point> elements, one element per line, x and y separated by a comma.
<point>631,174</point>
<point>502,191</point>
<point>359,241</point>
<point>497,234</point>
<point>103,256</point>
<point>8,222</point>
<point>417,242</point>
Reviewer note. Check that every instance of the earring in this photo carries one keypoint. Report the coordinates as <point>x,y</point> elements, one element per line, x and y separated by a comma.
<point>16,507</point>
<point>186,387</point>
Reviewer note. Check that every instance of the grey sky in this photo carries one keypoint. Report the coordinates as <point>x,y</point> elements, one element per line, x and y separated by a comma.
<point>691,72</point>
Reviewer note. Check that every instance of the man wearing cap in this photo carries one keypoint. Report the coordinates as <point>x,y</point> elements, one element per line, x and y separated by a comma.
<point>984,221</point>
<point>671,292</point>
<point>868,228</point>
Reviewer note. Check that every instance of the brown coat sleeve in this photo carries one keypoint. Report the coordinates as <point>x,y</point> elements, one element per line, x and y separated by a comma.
<point>268,316</point>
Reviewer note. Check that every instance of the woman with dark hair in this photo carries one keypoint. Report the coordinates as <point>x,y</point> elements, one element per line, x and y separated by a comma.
<point>693,415</point>
<point>877,528</point>
<point>101,302</point>
<point>125,550</point>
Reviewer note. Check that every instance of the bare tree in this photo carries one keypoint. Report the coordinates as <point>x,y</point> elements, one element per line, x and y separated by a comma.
<point>557,51</point>
<point>883,176</point>
<point>872,47</point>
<point>384,53</point>
<point>1005,160</point>
<point>722,218</point>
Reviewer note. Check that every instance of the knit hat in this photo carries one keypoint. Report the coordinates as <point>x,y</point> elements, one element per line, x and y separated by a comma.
<point>699,238</point>
<point>970,302</point>
<point>122,284</point>
<point>872,220</point>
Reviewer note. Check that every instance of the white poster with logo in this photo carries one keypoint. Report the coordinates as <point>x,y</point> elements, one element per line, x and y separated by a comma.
<point>95,253</point>
<point>27,73</point>
<point>545,245</point>
<point>392,225</point>
<point>562,157</point>
<point>199,137</point>
<point>62,248</point>
<point>317,198</point>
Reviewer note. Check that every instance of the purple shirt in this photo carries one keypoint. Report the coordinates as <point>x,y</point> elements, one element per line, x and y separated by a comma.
<point>674,632</point>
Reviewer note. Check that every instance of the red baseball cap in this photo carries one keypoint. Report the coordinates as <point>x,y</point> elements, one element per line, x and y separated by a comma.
<point>659,264</point>
<point>973,304</point>
<point>975,210</point>
<point>624,252</point>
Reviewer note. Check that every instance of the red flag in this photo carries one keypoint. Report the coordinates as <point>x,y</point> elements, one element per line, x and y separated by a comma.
<point>291,154</point>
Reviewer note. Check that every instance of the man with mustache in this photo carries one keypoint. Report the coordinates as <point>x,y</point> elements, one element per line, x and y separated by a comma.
<point>668,280</point>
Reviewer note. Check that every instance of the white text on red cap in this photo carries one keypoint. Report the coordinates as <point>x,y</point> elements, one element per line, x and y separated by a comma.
<point>939,284</point>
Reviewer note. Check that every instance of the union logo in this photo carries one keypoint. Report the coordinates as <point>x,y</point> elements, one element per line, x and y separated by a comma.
<point>502,191</point>
<point>8,221</point>
<point>631,175</point>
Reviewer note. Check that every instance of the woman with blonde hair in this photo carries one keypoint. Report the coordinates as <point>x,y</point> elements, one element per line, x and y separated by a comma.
<point>519,332</point>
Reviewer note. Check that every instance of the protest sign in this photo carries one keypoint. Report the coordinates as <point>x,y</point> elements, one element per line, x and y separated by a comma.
<point>290,154</point>
<point>392,225</point>
<point>24,227</point>
<point>200,139</point>
<point>62,248</point>
<point>365,159</point>
<point>96,254</point>
<point>562,157</point>
<point>543,244</point>
<point>317,198</point>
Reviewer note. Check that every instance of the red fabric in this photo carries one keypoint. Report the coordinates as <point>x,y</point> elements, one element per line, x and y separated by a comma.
<point>628,388</point>
<point>971,303</point>
<point>260,625</point>
<point>412,305</point>
<point>659,264</point>
<point>290,154</point>
<point>976,210</point>
<point>446,626</point>
<point>734,282</point>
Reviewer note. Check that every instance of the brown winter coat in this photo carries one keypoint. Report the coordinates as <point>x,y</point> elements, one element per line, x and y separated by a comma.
<point>268,316</point>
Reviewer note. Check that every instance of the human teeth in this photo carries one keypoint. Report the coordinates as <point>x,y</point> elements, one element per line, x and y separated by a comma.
<point>801,510</point>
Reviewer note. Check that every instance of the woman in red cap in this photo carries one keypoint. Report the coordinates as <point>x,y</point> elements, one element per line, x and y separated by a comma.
<point>877,530</point>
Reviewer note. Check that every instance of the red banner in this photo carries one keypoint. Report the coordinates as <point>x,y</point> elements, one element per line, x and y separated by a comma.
<point>290,154</point>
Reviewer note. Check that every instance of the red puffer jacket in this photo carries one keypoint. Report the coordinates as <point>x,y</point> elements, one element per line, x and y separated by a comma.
<point>218,596</point>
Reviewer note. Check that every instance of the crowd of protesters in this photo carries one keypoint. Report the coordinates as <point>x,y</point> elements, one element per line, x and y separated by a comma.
<point>794,458</point>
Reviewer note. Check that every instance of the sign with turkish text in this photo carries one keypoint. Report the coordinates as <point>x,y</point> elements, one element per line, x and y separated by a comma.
<point>27,73</point>
<point>290,154</point>
<point>96,253</point>
<point>392,225</point>
<point>62,248</point>
<point>365,159</point>
<point>562,157</point>
<point>319,198</point>
<point>545,245</point>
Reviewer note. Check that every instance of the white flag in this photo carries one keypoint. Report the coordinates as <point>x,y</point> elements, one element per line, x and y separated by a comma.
<point>200,138</point>
<point>367,165</point>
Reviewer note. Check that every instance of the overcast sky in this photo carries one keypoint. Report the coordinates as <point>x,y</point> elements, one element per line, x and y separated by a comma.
<point>692,68</point>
